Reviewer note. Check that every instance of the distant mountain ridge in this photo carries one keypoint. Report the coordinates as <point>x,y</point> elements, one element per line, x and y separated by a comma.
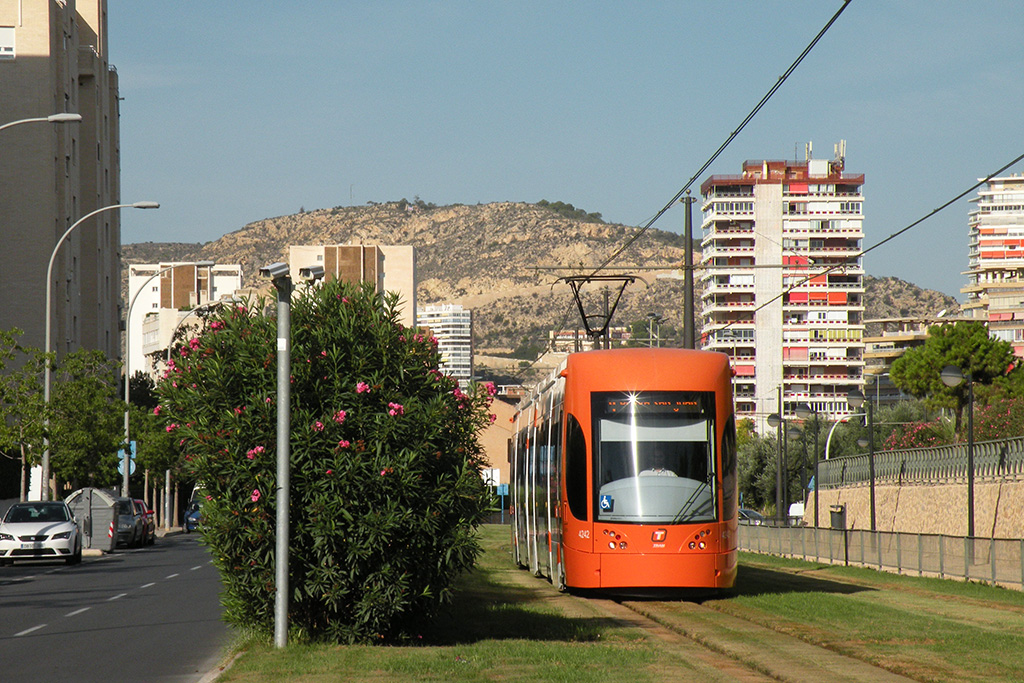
<point>504,261</point>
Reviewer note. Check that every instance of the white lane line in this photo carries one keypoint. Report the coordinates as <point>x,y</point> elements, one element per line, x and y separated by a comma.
<point>198,566</point>
<point>170,576</point>
<point>29,630</point>
<point>77,612</point>
<point>119,595</point>
<point>151,583</point>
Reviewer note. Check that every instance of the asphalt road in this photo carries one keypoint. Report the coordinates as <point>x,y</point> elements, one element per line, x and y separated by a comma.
<point>145,615</point>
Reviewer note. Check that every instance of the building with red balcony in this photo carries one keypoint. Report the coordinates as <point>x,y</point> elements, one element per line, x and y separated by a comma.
<point>995,275</point>
<point>783,291</point>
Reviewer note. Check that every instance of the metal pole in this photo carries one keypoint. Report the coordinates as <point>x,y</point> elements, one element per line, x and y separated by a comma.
<point>284,290</point>
<point>871,460</point>
<point>689,336</point>
<point>817,428</point>
<point>970,455</point>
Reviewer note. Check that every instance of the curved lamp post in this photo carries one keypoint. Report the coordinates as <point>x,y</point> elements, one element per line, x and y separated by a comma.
<point>805,412</point>
<point>49,298</point>
<point>775,421</point>
<point>52,118</point>
<point>953,376</point>
<point>126,463</point>
<point>856,399</point>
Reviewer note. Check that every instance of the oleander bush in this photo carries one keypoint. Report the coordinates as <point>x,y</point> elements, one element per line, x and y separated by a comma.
<point>386,491</point>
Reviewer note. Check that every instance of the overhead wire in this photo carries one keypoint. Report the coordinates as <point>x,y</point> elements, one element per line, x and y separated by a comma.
<point>743,124</point>
<point>732,136</point>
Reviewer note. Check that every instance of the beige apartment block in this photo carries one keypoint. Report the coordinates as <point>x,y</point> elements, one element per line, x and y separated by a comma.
<point>162,295</point>
<point>54,59</point>
<point>391,268</point>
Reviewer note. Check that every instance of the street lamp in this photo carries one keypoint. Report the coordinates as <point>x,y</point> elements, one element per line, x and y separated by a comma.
<point>805,412</point>
<point>47,363</point>
<point>279,273</point>
<point>65,117</point>
<point>952,376</point>
<point>127,364</point>
<point>775,422</point>
<point>856,399</point>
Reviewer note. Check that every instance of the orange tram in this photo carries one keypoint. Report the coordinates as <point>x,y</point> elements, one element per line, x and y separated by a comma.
<point>624,473</point>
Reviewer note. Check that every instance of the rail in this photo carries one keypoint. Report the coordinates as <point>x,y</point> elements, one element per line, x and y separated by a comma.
<point>997,561</point>
<point>1001,459</point>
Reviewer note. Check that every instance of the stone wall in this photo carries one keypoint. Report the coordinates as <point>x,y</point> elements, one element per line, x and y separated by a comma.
<point>927,509</point>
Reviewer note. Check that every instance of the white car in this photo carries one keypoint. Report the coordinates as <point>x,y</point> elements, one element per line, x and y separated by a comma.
<point>40,530</point>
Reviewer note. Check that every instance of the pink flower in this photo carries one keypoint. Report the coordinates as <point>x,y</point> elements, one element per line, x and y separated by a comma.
<point>255,495</point>
<point>344,443</point>
<point>209,497</point>
<point>330,471</point>
<point>194,343</point>
<point>339,416</point>
<point>361,387</point>
<point>238,411</point>
<point>493,418</point>
<point>171,427</point>
<point>156,411</point>
<point>318,426</point>
<point>396,409</point>
<point>253,452</point>
<point>491,389</point>
<point>216,325</point>
<point>267,400</point>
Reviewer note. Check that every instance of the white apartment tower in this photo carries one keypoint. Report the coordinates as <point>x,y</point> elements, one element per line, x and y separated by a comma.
<point>53,59</point>
<point>783,284</point>
<point>995,275</point>
<point>452,325</point>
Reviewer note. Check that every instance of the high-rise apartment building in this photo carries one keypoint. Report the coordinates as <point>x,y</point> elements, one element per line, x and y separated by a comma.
<point>160,295</point>
<point>452,326</point>
<point>392,268</point>
<point>783,284</point>
<point>995,275</point>
<point>53,58</point>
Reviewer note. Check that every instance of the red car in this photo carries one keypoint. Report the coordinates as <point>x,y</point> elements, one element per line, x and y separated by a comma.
<point>149,524</point>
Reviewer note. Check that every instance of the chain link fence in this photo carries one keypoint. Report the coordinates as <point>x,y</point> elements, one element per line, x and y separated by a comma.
<point>995,561</point>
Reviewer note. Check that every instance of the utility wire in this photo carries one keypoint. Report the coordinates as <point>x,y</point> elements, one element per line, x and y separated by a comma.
<point>728,140</point>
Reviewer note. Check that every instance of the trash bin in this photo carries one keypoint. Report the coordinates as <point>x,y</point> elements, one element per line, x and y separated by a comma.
<point>94,510</point>
<point>838,513</point>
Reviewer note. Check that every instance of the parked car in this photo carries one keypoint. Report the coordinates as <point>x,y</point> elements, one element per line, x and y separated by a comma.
<point>40,530</point>
<point>193,517</point>
<point>748,516</point>
<point>130,524</point>
<point>149,524</point>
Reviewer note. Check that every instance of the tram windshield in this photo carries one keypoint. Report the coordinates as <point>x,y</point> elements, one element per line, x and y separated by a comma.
<point>654,457</point>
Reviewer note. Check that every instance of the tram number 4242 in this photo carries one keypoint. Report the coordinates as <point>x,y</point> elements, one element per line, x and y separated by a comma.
<point>584,533</point>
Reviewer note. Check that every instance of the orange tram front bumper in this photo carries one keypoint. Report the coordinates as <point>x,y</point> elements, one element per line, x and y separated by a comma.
<point>646,556</point>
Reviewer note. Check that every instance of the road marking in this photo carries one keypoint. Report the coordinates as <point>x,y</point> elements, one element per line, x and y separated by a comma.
<point>171,576</point>
<point>119,595</point>
<point>198,566</point>
<point>151,583</point>
<point>77,612</point>
<point>29,630</point>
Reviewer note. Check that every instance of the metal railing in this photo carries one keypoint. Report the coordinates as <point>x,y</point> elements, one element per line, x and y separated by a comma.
<point>1002,459</point>
<point>995,561</point>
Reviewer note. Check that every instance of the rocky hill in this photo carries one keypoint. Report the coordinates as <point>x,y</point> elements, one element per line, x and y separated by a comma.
<point>505,261</point>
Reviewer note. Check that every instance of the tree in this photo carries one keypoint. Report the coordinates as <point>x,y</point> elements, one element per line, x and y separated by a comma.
<point>86,420</point>
<point>966,345</point>
<point>21,406</point>
<point>384,459</point>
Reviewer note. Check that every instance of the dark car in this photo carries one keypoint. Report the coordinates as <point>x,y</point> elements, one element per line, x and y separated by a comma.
<point>751,517</point>
<point>148,523</point>
<point>130,524</point>
<point>193,517</point>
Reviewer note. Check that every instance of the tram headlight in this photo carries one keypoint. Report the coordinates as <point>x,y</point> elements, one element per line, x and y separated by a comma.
<point>611,545</point>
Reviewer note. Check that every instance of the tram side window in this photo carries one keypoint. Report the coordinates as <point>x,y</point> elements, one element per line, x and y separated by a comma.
<point>576,468</point>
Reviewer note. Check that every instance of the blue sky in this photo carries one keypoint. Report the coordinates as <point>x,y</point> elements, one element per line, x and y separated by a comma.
<point>234,112</point>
